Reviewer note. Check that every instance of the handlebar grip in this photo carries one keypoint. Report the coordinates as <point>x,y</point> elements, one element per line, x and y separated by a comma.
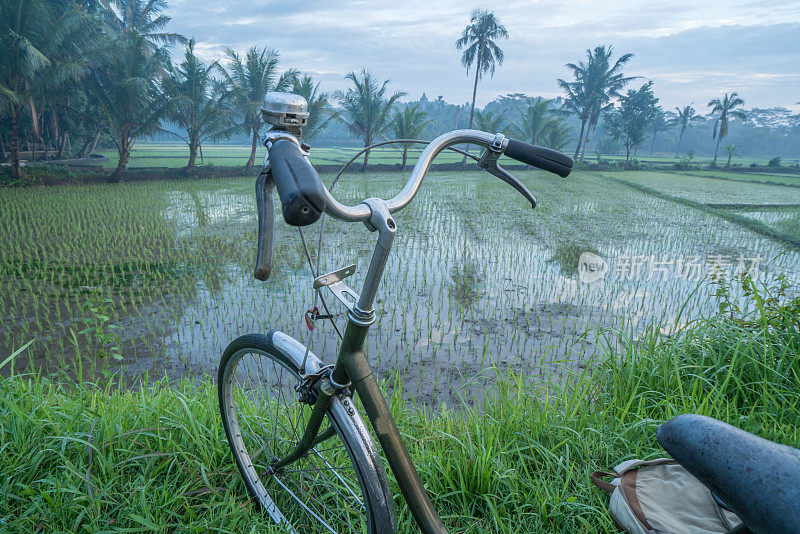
<point>266,224</point>
<point>299,186</point>
<point>540,157</point>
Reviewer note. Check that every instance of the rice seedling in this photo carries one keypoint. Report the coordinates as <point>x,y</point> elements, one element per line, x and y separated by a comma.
<point>705,190</point>
<point>174,258</point>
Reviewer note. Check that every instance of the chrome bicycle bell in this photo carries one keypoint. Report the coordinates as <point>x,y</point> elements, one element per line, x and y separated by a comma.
<point>285,111</point>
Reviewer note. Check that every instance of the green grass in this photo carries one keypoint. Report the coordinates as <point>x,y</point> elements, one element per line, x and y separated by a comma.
<point>80,458</point>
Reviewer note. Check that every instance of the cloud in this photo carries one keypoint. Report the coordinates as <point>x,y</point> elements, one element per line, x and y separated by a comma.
<point>760,62</point>
<point>690,49</point>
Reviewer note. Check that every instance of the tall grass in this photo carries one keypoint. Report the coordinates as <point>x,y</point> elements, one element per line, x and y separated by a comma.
<point>741,368</point>
<point>78,457</point>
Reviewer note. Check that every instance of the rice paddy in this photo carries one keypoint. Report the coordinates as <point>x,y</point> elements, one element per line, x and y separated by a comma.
<point>712,191</point>
<point>170,155</point>
<point>154,154</point>
<point>156,278</point>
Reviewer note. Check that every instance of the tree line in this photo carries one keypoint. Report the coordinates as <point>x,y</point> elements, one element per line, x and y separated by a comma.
<point>74,72</point>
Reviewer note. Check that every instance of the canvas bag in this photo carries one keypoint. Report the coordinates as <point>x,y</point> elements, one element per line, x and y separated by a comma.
<point>661,497</point>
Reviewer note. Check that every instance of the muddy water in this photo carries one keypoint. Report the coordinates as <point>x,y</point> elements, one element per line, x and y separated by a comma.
<point>477,285</point>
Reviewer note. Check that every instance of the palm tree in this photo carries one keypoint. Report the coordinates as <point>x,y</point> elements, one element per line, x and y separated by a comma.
<point>203,106</point>
<point>145,18</point>
<point>725,108</point>
<point>659,125</point>
<point>409,124</point>
<point>534,121</point>
<point>251,78</point>
<point>491,122</point>
<point>320,111</point>
<point>685,118</point>
<point>479,42</point>
<point>557,135</point>
<point>130,97</point>
<point>128,88</point>
<point>732,150</point>
<point>577,103</point>
<point>32,32</point>
<point>597,82</point>
<point>83,47</point>
<point>366,107</point>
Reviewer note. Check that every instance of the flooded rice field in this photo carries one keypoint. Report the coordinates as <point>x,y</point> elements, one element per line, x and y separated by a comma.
<point>154,279</point>
<point>782,219</point>
<point>707,190</point>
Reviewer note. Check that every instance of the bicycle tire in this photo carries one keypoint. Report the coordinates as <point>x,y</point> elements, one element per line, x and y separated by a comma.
<point>280,501</point>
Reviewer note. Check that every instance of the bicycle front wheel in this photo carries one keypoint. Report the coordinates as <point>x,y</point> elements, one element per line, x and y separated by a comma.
<point>340,485</point>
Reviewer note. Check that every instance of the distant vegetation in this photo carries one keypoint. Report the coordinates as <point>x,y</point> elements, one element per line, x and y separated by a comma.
<point>82,74</point>
<point>367,107</point>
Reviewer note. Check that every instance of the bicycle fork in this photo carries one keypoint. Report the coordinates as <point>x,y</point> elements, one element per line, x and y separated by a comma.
<point>353,364</point>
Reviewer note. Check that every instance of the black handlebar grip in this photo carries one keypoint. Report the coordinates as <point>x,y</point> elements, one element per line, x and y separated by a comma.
<point>299,186</point>
<point>543,158</point>
<point>266,224</point>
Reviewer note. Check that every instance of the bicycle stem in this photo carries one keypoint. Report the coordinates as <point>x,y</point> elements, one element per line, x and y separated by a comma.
<point>353,370</point>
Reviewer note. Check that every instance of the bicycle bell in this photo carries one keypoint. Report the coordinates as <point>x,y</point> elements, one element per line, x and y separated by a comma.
<point>285,111</point>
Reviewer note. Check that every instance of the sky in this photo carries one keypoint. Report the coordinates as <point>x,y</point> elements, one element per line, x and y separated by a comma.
<point>692,50</point>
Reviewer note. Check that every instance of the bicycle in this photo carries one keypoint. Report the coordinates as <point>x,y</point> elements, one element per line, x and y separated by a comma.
<point>275,394</point>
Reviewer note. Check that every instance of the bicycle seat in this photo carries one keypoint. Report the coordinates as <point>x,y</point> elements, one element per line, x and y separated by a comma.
<point>757,479</point>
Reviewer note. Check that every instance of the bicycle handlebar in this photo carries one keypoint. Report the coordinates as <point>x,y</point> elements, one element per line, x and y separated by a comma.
<point>541,157</point>
<point>407,194</point>
<point>300,189</point>
<point>304,197</point>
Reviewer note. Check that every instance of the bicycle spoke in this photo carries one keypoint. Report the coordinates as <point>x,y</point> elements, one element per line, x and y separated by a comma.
<point>313,498</point>
<point>324,485</point>
<point>334,470</point>
<point>301,503</point>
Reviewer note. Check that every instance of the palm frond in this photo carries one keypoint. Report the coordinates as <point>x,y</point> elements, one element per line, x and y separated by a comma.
<point>479,42</point>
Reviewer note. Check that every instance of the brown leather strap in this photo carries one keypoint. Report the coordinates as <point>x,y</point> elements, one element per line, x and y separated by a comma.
<point>628,484</point>
<point>597,480</point>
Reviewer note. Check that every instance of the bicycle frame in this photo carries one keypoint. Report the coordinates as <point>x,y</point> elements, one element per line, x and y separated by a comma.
<point>353,370</point>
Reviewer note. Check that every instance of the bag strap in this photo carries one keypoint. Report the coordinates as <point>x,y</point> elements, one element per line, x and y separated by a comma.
<point>597,480</point>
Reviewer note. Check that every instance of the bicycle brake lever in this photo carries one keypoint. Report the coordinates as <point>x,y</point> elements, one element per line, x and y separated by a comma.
<point>488,162</point>
<point>265,205</point>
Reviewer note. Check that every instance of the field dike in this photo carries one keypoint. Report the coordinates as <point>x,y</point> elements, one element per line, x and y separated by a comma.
<point>755,226</point>
<point>83,458</point>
